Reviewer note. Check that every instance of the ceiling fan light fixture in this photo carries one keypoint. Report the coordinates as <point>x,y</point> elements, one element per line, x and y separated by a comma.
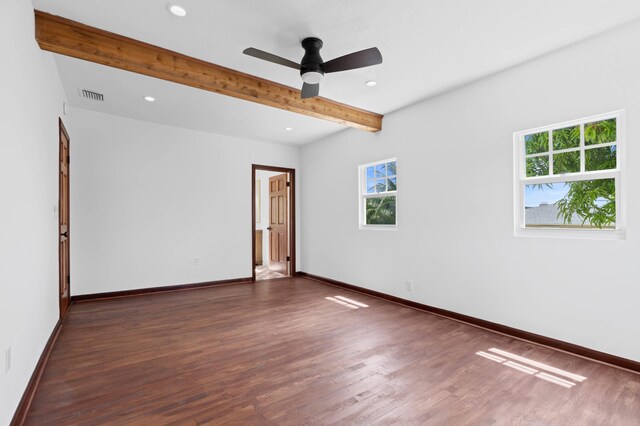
<point>313,68</point>
<point>149,99</point>
<point>177,10</point>
<point>312,77</point>
<point>370,83</point>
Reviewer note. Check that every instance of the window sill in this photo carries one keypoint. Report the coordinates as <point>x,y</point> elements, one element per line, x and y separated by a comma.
<point>378,227</point>
<point>582,234</point>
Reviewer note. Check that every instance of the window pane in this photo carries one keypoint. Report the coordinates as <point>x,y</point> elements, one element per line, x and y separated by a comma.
<point>381,211</point>
<point>380,170</point>
<point>371,186</point>
<point>381,185</point>
<point>566,162</point>
<point>369,172</point>
<point>585,204</point>
<point>536,143</point>
<point>600,158</point>
<point>391,184</point>
<point>391,168</point>
<point>569,137</point>
<point>538,166</point>
<point>600,132</point>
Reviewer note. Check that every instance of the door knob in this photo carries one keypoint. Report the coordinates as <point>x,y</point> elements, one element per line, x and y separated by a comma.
<point>269,228</point>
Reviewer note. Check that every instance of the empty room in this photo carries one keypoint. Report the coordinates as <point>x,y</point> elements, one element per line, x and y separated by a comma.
<point>320,212</point>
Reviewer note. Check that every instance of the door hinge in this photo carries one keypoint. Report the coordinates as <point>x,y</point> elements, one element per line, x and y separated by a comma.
<point>288,183</point>
<point>288,258</point>
<point>68,279</point>
<point>68,159</point>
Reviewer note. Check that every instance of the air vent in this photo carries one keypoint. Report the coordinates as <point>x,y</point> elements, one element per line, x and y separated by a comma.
<point>94,96</point>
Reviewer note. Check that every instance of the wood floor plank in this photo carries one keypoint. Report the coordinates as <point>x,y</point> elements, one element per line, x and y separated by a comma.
<point>279,352</point>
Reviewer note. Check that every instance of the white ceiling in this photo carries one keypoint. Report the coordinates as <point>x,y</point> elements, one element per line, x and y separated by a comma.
<point>428,46</point>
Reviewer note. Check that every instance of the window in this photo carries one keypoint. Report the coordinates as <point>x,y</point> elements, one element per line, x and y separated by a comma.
<point>378,189</point>
<point>569,178</point>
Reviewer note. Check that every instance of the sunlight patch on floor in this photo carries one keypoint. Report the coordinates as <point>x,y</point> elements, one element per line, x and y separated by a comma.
<point>353,302</point>
<point>345,301</point>
<point>510,359</point>
<point>539,365</point>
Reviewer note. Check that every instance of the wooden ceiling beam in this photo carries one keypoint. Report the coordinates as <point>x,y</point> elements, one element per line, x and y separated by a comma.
<point>70,38</point>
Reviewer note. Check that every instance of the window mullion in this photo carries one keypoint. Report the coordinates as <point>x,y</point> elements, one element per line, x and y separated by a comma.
<point>562,151</point>
<point>618,209</point>
<point>381,194</point>
<point>522,157</point>
<point>550,152</point>
<point>582,152</point>
<point>600,145</point>
<point>572,177</point>
<point>539,154</point>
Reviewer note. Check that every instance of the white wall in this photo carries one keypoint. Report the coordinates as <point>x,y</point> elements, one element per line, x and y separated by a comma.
<point>147,199</point>
<point>455,203</point>
<point>31,100</point>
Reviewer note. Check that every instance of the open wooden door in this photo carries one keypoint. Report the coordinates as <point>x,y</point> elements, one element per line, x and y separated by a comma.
<point>278,224</point>
<point>63,215</point>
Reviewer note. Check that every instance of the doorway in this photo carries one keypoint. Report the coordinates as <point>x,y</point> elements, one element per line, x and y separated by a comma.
<point>273,222</point>
<point>63,221</point>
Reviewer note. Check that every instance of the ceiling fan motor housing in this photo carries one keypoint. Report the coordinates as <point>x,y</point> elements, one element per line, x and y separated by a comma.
<point>311,69</point>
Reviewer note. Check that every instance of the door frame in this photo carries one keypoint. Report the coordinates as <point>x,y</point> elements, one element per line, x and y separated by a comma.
<point>292,215</point>
<point>63,131</point>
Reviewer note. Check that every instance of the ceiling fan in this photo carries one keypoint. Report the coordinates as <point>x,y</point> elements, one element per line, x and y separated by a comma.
<point>312,68</point>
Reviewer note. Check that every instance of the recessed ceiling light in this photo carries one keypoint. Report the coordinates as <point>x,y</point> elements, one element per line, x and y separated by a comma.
<point>149,99</point>
<point>288,129</point>
<point>370,83</point>
<point>177,10</point>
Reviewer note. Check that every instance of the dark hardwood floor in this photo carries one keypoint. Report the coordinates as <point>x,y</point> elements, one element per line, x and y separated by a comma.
<point>280,352</point>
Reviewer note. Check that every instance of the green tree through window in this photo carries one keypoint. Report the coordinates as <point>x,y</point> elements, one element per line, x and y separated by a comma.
<point>379,193</point>
<point>593,201</point>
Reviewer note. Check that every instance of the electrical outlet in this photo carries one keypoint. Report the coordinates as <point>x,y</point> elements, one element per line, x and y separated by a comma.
<point>7,360</point>
<point>408,285</point>
<point>196,261</point>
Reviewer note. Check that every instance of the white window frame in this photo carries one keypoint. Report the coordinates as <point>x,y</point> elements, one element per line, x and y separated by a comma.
<point>619,174</point>
<point>363,196</point>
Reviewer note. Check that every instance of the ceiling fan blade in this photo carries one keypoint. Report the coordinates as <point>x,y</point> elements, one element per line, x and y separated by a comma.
<point>361,59</point>
<point>310,90</point>
<point>260,54</point>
